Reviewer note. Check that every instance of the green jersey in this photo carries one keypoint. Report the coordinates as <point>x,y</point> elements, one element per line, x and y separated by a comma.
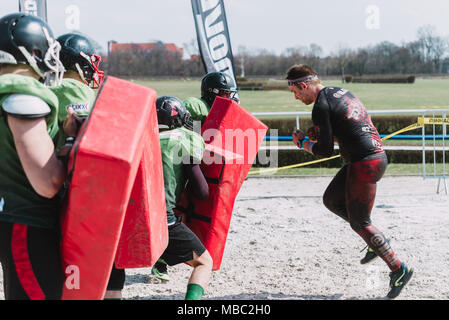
<point>75,94</point>
<point>19,202</point>
<point>198,108</point>
<point>178,146</point>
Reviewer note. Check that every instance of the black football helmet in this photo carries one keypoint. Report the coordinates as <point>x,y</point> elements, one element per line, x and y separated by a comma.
<point>217,84</point>
<point>78,54</point>
<point>27,39</point>
<point>172,114</point>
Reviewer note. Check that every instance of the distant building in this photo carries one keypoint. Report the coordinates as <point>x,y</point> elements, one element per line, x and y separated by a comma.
<point>195,57</point>
<point>114,46</point>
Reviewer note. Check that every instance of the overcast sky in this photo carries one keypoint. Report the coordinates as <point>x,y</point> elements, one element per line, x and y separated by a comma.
<point>257,24</point>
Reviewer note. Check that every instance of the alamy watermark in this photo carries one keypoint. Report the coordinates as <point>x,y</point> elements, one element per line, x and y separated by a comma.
<point>372,21</point>
<point>73,19</point>
<point>229,146</point>
<point>373,278</point>
<point>72,281</point>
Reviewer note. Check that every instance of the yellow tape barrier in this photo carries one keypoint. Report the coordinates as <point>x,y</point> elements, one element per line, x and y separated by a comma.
<point>436,121</point>
<point>419,124</point>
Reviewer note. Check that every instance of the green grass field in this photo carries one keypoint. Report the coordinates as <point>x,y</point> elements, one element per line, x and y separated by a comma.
<point>424,93</point>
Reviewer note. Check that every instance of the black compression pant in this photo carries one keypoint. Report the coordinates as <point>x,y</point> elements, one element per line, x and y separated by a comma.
<point>116,279</point>
<point>31,262</point>
<point>351,196</point>
<point>352,192</point>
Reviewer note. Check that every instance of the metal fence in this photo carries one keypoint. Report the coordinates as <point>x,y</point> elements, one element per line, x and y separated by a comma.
<point>435,118</point>
<point>299,114</point>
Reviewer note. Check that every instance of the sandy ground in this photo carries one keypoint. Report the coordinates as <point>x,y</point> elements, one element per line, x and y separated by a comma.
<point>284,244</point>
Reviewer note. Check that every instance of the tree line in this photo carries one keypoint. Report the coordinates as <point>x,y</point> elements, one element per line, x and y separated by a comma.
<point>425,55</point>
<point>157,62</point>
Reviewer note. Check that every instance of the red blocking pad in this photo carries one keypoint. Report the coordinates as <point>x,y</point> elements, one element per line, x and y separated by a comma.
<point>144,234</point>
<point>233,137</point>
<point>103,167</point>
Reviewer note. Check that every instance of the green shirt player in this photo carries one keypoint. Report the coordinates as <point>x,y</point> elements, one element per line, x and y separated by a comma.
<point>76,93</point>
<point>182,151</point>
<point>212,85</point>
<point>81,77</point>
<point>30,172</point>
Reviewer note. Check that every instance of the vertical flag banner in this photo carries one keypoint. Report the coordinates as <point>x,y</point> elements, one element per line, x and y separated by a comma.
<point>35,7</point>
<point>213,37</point>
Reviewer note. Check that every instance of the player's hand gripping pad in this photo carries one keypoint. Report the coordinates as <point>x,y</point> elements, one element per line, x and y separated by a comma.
<point>233,137</point>
<point>103,166</point>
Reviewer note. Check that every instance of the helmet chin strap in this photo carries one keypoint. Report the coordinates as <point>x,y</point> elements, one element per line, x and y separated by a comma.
<point>31,61</point>
<point>80,72</point>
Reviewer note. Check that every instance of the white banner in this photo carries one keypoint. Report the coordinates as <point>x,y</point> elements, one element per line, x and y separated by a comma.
<point>34,7</point>
<point>213,37</point>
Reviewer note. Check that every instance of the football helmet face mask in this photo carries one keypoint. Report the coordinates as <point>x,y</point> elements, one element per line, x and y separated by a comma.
<point>217,84</point>
<point>77,54</point>
<point>172,114</point>
<point>98,76</point>
<point>26,39</point>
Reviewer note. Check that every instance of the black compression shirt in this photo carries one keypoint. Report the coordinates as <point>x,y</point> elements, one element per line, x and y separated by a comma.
<point>339,114</point>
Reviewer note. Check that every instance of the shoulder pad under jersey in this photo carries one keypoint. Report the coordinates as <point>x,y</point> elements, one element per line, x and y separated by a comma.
<point>26,106</point>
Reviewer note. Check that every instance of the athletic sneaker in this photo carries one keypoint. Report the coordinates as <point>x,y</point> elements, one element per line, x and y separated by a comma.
<point>370,255</point>
<point>159,270</point>
<point>398,280</point>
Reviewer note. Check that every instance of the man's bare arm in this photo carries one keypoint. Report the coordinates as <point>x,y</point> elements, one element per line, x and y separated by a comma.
<point>35,148</point>
<point>197,185</point>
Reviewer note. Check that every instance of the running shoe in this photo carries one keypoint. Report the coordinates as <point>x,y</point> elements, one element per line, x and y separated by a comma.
<point>398,280</point>
<point>159,270</point>
<point>370,255</point>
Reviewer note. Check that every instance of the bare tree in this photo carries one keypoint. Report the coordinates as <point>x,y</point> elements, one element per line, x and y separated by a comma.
<point>434,47</point>
<point>191,47</point>
<point>360,61</point>
<point>427,54</point>
<point>440,47</point>
<point>241,59</point>
<point>342,57</point>
<point>315,50</point>
<point>426,35</point>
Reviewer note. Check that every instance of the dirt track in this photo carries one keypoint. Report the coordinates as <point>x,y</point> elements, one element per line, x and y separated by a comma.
<point>284,244</point>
